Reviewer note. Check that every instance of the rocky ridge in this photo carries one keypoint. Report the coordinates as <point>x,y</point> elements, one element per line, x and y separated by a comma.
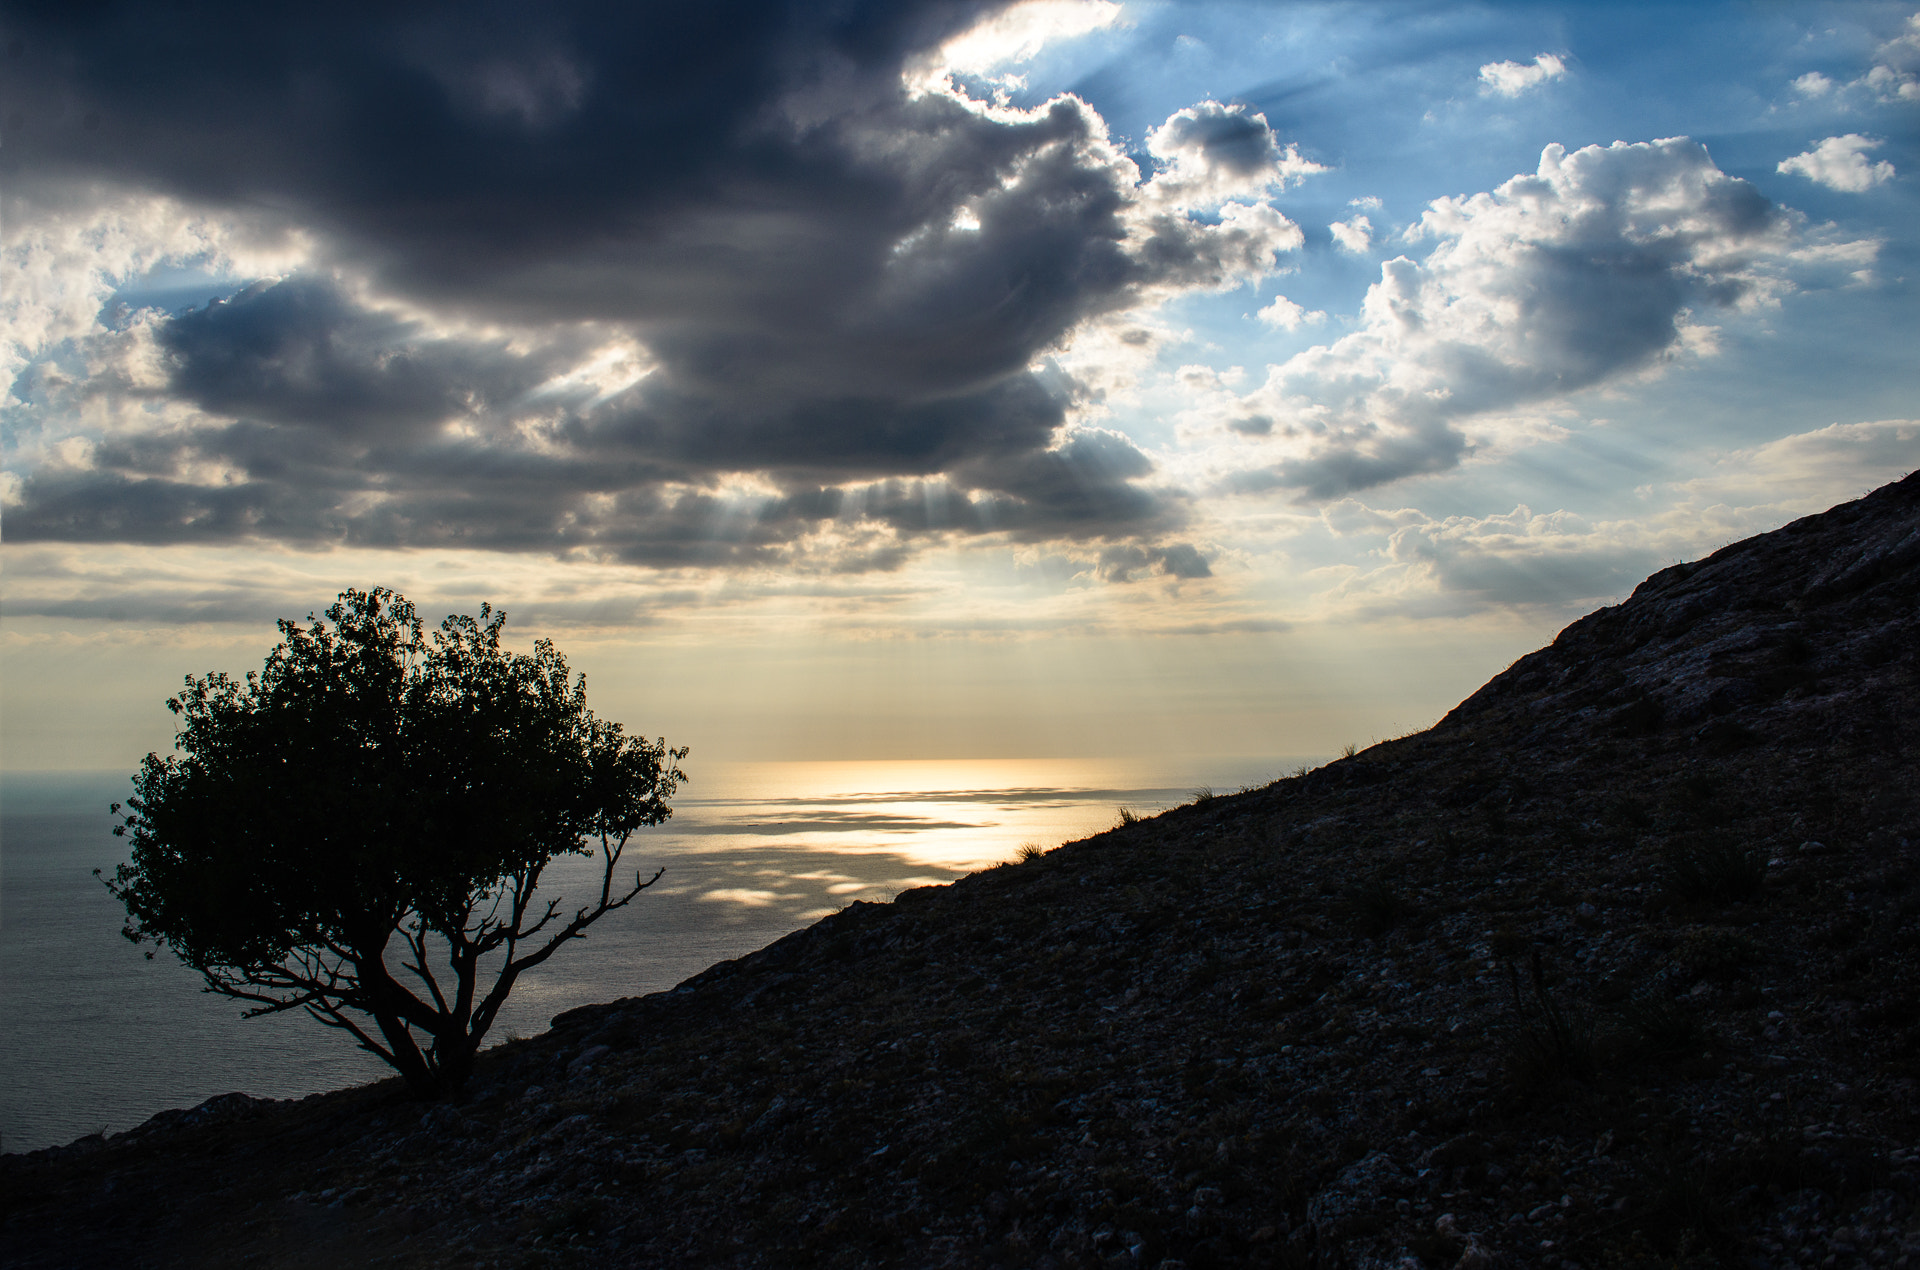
<point>1618,964</point>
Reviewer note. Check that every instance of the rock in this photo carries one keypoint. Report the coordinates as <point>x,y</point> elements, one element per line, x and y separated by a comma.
<point>1476,1257</point>
<point>1353,1196</point>
<point>588,1057</point>
<point>226,1109</point>
<point>1468,1148</point>
<point>778,1112</point>
<point>444,1120</point>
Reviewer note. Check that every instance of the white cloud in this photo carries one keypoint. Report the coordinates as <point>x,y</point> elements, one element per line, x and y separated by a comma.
<point>1510,79</point>
<point>1013,35</point>
<point>1907,42</point>
<point>1428,566</point>
<point>1591,269</point>
<point>1349,516</point>
<point>1212,153</point>
<point>1456,563</point>
<point>1366,202</point>
<point>1517,557</point>
<point>62,267</point>
<point>1809,471</point>
<point>1354,235</point>
<point>1840,163</point>
<point>1890,83</point>
<point>1892,77</point>
<point>1287,315</point>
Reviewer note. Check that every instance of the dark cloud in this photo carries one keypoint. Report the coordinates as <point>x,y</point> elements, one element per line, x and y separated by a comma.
<point>1492,579</point>
<point>360,431</point>
<point>1232,626</point>
<point>1181,560</point>
<point>1364,459</point>
<point>299,352</point>
<point>838,285</point>
<point>455,140</point>
<point>135,604</point>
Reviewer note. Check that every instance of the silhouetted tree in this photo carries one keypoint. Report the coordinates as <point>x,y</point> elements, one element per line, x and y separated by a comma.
<point>359,829</point>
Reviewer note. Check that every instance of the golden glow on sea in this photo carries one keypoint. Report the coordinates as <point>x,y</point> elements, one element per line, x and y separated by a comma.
<point>948,815</point>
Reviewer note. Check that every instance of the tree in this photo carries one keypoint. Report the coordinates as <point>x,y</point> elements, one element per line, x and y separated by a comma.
<point>359,829</point>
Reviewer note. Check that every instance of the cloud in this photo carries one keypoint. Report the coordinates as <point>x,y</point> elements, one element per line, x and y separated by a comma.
<point>1510,79</point>
<point>1890,83</point>
<point>745,287</point>
<point>301,352</point>
<point>1840,163</point>
<point>1013,35</point>
<point>1210,154</point>
<point>1287,315</point>
<point>1449,565</point>
<point>1809,471</point>
<point>1892,77</point>
<point>1230,626</point>
<point>1350,516</point>
<point>1180,560</point>
<point>1355,235</point>
<point>1592,268</point>
<point>1520,557</point>
<point>1427,566</point>
<point>1183,560</point>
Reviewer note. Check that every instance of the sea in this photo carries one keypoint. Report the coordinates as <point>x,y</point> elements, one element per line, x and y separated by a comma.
<point>95,1036</point>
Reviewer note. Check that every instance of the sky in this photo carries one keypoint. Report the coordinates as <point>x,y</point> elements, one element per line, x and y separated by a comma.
<point>930,379</point>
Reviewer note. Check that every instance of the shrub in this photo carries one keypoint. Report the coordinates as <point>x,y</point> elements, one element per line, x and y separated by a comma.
<point>1548,1044</point>
<point>1681,1210</point>
<point>1716,953</point>
<point>1628,812</point>
<point>1710,866</point>
<point>1657,1025</point>
<point>1378,906</point>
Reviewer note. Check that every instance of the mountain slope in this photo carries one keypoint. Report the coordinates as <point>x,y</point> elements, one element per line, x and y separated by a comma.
<point>1617,964</point>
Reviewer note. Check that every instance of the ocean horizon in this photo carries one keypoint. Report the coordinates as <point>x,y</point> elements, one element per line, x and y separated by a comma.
<point>97,1038</point>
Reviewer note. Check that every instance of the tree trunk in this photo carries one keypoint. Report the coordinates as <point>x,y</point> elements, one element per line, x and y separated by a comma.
<point>383,997</point>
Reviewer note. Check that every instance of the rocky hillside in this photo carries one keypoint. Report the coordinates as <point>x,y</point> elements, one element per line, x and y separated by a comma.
<point>1619,964</point>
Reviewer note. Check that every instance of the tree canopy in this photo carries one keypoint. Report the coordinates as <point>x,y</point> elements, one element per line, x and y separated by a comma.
<point>359,829</point>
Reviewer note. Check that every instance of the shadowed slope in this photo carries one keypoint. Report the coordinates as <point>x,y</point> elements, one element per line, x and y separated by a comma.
<point>1617,964</point>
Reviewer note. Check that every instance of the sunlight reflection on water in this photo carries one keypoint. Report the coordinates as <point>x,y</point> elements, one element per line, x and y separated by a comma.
<point>92,1034</point>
